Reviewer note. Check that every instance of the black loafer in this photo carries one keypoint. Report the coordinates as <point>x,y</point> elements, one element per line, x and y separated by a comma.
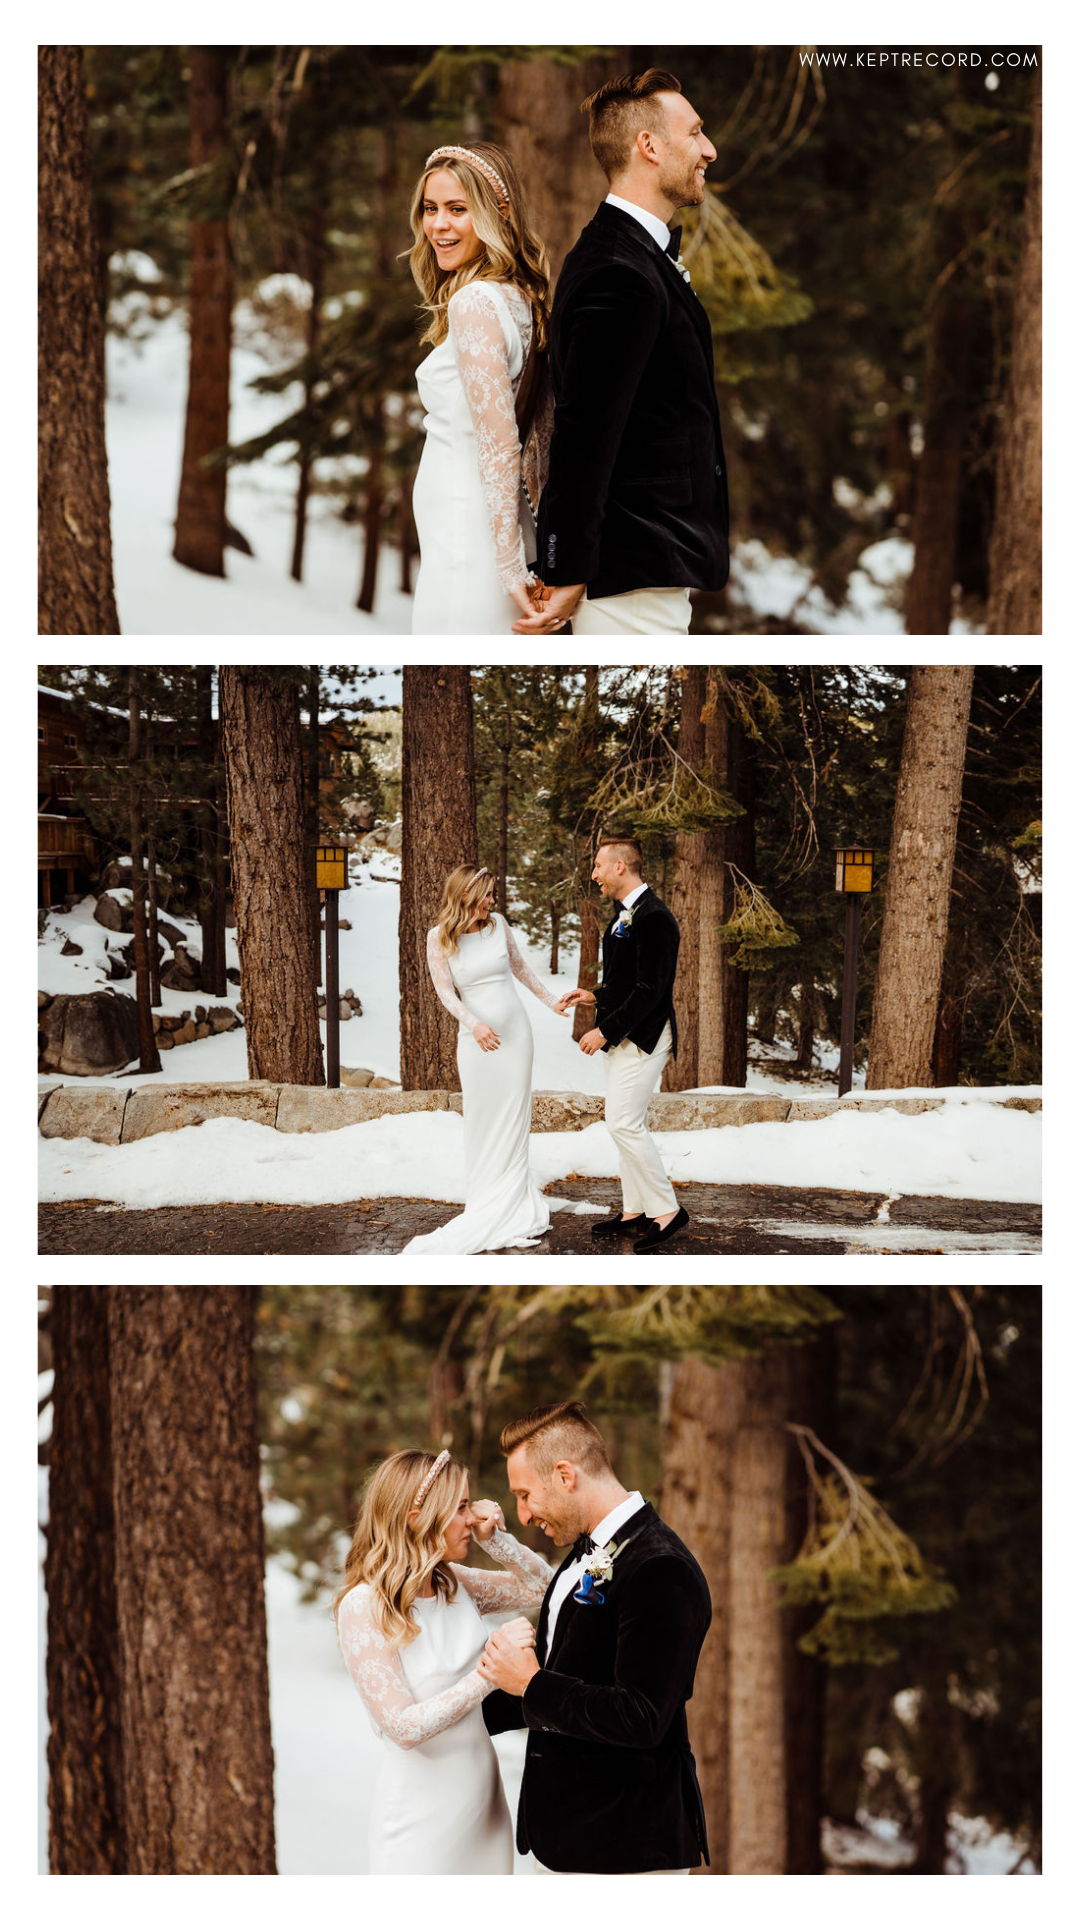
<point>616,1224</point>
<point>656,1236</point>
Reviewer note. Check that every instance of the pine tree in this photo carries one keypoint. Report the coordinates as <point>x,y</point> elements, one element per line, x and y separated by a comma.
<point>1015,596</point>
<point>200,513</point>
<point>438,833</point>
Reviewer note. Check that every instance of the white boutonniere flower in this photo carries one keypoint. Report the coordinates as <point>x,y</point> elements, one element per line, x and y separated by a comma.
<point>624,923</point>
<point>685,271</point>
<point>596,1573</point>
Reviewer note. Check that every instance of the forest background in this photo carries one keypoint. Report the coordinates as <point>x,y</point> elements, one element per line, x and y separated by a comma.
<point>856,1468</point>
<point>868,252</point>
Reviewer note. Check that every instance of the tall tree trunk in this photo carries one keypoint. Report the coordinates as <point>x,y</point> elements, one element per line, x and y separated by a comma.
<point>75,545</point>
<point>198,1766</point>
<point>686,894</point>
<point>723,989</point>
<point>374,412</point>
<point>554,912</point>
<point>86,1799</point>
<point>260,718</point>
<point>939,473</point>
<point>588,901</point>
<point>1015,598</point>
<point>315,271</point>
<point>149,1059</point>
<point>734,1489</point>
<point>505,746</point>
<point>916,915</point>
<point>311,817</point>
<point>211,864</point>
<point>200,513</point>
<point>538,121</point>
<point>406,536</point>
<point>438,833</point>
<point>153,938</point>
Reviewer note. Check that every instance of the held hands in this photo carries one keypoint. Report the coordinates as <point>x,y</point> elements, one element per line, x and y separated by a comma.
<point>530,595</point>
<point>485,1037</point>
<point>577,997</point>
<point>508,1660</point>
<point>558,606</point>
<point>487,1515</point>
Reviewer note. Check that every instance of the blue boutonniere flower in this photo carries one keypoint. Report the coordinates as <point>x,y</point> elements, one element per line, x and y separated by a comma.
<point>595,1574</point>
<point>622,926</point>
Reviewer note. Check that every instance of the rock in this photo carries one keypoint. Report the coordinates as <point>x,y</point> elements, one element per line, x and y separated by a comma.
<point>200,1013</point>
<point>690,1111</point>
<point>565,1112</point>
<point>44,1095</point>
<point>320,1109</point>
<point>169,932</point>
<point>185,1033</point>
<point>120,967</point>
<point>1022,1103</point>
<point>157,1020</point>
<point>222,1019</point>
<point>392,842</point>
<point>90,1033</point>
<point>356,1076</point>
<point>202,1030</point>
<point>42,922</point>
<point>69,947</point>
<point>232,975</point>
<point>165,1109</point>
<point>381,1083</point>
<point>111,914</point>
<point>43,999</point>
<point>182,973</point>
<point>344,926</point>
<point>164,1041</point>
<point>85,1113</point>
<point>344,1010</point>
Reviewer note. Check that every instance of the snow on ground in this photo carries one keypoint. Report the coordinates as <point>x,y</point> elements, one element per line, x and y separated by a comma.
<point>968,1149</point>
<point>147,392</point>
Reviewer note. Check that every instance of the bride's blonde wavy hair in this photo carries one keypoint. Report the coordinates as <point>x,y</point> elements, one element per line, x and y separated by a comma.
<point>393,1558</point>
<point>512,248</point>
<point>462,897</point>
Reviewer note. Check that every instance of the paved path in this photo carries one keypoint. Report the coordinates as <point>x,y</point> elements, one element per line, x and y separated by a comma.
<point>723,1220</point>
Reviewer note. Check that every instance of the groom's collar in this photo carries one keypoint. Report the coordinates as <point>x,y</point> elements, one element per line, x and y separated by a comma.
<point>631,899</point>
<point>656,228</point>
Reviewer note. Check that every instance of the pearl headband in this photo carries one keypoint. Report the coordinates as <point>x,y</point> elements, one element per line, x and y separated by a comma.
<point>431,1476</point>
<point>482,166</point>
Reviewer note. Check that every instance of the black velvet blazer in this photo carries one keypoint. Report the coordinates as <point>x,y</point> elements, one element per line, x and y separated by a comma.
<point>636,994</point>
<point>610,1784</point>
<point>637,488</point>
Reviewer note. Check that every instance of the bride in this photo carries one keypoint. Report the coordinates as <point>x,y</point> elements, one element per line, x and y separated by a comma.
<point>471,954</point>
<point>482,271</point>
<point>409,1627</point>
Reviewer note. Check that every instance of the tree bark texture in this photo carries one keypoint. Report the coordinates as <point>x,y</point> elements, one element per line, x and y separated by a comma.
<point>438,833</point>
<point>734,1489</point>
<point>211,863</point>
<point>916,915</point>
<point>198,1766</point>
<point>149,1058</point>
<point>1015,598</point>
<point>260,717</point>
<point>200,514</point>
<point>86,1799</point>
<point>686,893</point>
<point>539,122</point>
<point>939,473</point>
<point>75,543</point>
<point>589,900</point>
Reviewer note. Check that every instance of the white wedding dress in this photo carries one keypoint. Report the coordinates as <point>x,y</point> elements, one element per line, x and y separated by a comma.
<point>473,519</point>
<point>503,1205</point>
<point>439,1806</point>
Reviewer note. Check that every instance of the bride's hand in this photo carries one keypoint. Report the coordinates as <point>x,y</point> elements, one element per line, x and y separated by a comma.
<point>530,595</point>
<point>518,1633</point>
<point>485,1037</point>
<point>488,1515</point>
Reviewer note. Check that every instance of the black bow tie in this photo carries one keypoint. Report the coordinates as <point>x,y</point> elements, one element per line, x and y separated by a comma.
<point>674,242</point>
<point>583,1544</point>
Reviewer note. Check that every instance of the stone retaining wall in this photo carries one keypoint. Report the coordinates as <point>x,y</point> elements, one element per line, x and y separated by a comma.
<point>115,1115</point>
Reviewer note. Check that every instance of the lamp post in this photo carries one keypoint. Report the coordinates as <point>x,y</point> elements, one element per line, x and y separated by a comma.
<point>331,877</point>
<point>854,877</point>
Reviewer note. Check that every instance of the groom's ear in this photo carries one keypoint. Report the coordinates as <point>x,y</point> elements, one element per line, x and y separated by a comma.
<point>566,1473</point>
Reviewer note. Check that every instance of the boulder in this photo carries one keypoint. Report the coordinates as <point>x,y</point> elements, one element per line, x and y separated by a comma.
<point>392,842</point>
<point>69,947</point>
<point>565,1112</point>
<point>222,1019</point>
<point>688,1112</point>
<point>85,1113</point>
<point>344,1010</point>
<point>89,1033</point>
<point>232,975</point>
<point>113,915</point>
<point>166,1109</point>
<point>200,1014</point>
<point>120,967</point>
<point>183,1034</point>
<point>321,1109</point>
<point>381,1083</point>
<point>356,1076</point>
<point>182,972</point>
<point>164,1041</point>
<point>169,932</point>
<point>202,1030</point>
<point>43,999</point>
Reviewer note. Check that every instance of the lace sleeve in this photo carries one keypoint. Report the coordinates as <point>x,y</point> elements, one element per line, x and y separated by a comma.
<point>479,342</point>
<point>524,1586</point>
<point>379,1678</point>
<point>443,982</point>
<point>521,971</point>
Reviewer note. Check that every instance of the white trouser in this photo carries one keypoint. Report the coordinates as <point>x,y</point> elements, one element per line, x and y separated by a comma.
<point>632,1078</point>
<point>540,1868</point>
<point>646,610</point>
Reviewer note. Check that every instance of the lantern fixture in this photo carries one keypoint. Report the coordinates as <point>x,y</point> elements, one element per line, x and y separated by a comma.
<point>854,869</point>
<point>854,878</point>
<point>331,867</point>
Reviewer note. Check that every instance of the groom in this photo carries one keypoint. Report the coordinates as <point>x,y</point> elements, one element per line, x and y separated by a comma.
<point>610,1784</point>
<point>635,1026</point>
<point>635,511</point>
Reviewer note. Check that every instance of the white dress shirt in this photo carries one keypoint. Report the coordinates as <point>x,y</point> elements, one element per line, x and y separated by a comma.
<point>568,1579</point>
<point>660,232</point>
<point>628,899</point>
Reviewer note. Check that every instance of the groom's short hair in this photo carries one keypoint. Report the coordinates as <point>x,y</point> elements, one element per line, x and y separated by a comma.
<point>626,850</point>
<point>619,109</point>
<point>560,1432</point>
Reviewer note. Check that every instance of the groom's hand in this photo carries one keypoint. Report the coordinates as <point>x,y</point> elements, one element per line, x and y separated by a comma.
<point>577,997</point>
<point>557,609</point>
<point>592,1041</point>
<point>506,1663</point>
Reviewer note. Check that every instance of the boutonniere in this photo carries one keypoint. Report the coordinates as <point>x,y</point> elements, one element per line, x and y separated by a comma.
<point>624,923</point>
<point>595,1574</point>
<point>685,271</point>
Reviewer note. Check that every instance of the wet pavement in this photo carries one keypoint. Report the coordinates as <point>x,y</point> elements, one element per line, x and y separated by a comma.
<point>723,1220</point>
